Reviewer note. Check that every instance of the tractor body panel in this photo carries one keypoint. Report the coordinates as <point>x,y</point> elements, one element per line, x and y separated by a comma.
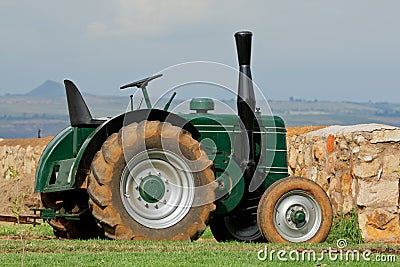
<point>220,136</point>
<point>224,131</point>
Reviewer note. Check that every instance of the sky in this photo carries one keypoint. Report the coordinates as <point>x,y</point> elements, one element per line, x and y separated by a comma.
<point>342,50</point>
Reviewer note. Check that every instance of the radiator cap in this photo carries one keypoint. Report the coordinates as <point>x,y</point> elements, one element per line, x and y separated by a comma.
<point>202,105</point>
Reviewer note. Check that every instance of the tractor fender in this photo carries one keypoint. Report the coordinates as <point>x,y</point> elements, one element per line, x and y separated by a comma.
<point>96,139</point>
<point>59,148</point>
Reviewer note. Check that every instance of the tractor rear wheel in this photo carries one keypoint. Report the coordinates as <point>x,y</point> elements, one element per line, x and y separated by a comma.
<point>293,210</point>
<point>143,184</point>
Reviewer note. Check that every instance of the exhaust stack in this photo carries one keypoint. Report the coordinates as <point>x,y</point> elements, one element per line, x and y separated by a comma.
<point>246,101</point>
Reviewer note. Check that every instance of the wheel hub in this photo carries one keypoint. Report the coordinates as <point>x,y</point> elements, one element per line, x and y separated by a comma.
<point>152,188</point>
<point>296,217</point>
<point>157,188</point>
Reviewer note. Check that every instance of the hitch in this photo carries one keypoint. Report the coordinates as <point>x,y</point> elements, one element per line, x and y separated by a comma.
<point>51,214</point>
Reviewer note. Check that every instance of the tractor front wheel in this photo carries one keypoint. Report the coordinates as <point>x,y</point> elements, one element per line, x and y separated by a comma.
<point>293,210</point>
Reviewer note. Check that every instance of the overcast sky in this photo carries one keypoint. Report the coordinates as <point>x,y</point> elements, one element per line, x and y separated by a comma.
<point>327,50</point>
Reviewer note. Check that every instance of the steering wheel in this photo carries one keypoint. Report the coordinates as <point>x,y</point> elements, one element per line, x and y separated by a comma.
<point>141,83</point>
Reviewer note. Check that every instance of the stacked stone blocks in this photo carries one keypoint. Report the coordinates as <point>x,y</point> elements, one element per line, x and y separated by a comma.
<point>359,167</point>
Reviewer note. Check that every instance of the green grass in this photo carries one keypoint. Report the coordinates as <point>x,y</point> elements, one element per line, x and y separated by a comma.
<point>345,227</point>
<point>127,253</point>
<point>38,231</point>
<point>42,249</point>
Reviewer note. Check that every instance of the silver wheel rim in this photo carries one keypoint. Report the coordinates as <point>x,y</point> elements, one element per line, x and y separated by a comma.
<point>297,201</point>
<point>178,184</point>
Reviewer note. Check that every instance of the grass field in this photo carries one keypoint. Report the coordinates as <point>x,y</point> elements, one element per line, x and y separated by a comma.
<point>42,249</point>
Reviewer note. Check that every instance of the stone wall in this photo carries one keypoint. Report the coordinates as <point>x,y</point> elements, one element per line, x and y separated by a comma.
<point>359,167</point>
<point>22,154</point>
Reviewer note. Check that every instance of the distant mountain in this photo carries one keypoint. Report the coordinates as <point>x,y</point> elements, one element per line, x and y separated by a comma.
<point>48,89</point>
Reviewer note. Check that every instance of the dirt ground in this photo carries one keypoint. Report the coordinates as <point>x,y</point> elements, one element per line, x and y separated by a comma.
<point>21,189</point>
<point>23,186</point>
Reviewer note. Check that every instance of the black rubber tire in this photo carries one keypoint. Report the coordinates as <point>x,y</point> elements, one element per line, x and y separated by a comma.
<point>292,185</point>
<point>73,202</point>
<point>107,168</point>
<point>235,228</point>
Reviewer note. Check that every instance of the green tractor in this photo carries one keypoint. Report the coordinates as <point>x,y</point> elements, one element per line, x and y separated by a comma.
<point>153,174</point>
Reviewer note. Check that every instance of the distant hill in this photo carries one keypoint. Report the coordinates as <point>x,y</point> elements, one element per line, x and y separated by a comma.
<point>48,89</point>
<point>45,108</point>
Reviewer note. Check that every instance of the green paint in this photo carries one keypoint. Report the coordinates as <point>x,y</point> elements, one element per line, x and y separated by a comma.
<point>151,188</point>
<point>55,170</point>
<point>202,104</point>
<point>298,216</point>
